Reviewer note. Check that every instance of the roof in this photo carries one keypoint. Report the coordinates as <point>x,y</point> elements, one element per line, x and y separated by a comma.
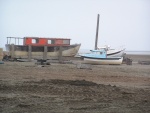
<point>48,38</point>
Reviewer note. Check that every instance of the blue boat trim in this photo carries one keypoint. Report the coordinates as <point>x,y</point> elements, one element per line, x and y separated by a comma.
<point>103,58</point>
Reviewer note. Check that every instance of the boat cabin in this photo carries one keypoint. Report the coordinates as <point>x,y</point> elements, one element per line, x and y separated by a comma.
<point>96,54</point>
<point>40,48</point>
<point>99,53</point>
<point>37,41</point>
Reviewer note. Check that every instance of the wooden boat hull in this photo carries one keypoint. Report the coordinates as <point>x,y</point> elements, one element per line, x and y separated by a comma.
<point>103,61</point>
<point>37,52</point>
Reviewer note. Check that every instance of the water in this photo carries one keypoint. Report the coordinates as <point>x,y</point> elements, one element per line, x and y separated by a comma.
<point>127,52</point>
<point>138,52</point>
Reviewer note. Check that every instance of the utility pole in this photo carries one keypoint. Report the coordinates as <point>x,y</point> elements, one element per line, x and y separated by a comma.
<point>96,39</point>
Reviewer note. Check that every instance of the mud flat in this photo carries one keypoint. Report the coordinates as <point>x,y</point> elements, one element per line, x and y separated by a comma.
<point>137,58</point>
<point>62,88</point>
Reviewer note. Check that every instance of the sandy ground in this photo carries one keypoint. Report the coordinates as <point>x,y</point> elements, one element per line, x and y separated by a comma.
<point>62,88</point>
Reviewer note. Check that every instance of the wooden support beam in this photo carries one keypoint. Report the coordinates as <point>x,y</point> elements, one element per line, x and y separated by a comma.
<point>60,54</point>
<point>45,53</point>
<point>12,48</point>
<point>29,52</point>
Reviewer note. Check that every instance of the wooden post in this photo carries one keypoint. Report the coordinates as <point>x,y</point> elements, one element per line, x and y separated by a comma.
<point>12,50</point>
<point>97,28</point>
<point>60,54</point>
<point>29,52</point>
<point>45,53</point>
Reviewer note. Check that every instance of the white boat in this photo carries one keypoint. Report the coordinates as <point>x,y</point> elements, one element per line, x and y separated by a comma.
<point>100,57</point>
<point>119,52</point>
<point>104,61</point>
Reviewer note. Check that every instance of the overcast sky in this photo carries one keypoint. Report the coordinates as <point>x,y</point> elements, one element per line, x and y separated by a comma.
<point>122,22</point>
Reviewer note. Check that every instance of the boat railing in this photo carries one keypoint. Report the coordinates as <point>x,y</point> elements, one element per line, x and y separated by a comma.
<point>15,40</point>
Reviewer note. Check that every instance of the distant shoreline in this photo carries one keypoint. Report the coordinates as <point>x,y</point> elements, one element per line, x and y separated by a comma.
<point>127,52</point>
<point>138,52</point>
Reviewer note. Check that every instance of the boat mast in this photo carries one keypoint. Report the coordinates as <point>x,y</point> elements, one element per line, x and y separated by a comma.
<point>96,39</point>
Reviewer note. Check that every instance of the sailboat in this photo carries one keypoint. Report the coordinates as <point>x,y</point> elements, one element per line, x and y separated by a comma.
<point>100,57</point>
<point>110,52</point>
<point>103,55</point>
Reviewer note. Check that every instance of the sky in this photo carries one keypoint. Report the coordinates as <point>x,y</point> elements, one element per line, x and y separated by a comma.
<point>122,22</point>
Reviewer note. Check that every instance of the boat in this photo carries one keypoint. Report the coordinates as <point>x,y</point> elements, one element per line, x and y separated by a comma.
<point>100,57</point>
<point>41,48</point>
<point>110,52</point>
<point>118,52</point>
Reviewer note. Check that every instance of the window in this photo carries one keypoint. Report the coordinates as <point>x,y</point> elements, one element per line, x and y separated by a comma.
<point>101,53</point>
<point>35,41</point>
<point>66,41</point>
<point>51,41</point>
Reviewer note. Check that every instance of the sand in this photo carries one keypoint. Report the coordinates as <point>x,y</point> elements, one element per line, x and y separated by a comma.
<point>62,88</point>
